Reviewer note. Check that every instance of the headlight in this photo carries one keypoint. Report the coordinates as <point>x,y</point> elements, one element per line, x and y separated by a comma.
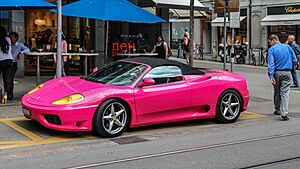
<point>35,89</point>
<point>74,98</point>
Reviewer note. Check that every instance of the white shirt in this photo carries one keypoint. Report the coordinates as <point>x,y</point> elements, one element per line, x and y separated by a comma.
<point>17,48</point>
<point>8,55</point>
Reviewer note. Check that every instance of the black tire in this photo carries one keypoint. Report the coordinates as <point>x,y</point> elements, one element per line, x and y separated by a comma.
<point>232,113</point>
<point>104,118</point>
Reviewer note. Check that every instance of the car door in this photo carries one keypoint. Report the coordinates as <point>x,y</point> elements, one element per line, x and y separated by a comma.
<point>166,99</point>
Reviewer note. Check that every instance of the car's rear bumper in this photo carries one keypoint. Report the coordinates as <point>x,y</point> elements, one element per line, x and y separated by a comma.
<point>62,118</point>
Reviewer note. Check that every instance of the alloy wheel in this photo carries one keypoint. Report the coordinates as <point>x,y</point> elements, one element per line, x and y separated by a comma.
<point>230,106</point>
<point>114,118</point>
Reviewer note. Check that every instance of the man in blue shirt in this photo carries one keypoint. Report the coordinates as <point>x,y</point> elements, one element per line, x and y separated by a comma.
<point>16,49</point>
<point>296,49</point>
<point>281,59</point>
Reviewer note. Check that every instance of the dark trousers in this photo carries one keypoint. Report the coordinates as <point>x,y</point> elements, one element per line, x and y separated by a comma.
<point>5,70</point>
<point>11,87</point>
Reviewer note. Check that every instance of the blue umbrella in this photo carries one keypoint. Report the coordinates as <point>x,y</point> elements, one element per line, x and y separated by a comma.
<point>109,10</point>
<point>25,4</point>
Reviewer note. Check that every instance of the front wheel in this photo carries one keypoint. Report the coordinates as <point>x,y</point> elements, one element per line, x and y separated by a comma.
<point>111,118</point>
<point>229,107</point>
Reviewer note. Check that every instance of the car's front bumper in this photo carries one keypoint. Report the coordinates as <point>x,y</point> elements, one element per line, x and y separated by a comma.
<point>61,118</point>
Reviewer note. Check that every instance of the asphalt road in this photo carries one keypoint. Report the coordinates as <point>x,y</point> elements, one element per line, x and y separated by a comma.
<point>261,142</point>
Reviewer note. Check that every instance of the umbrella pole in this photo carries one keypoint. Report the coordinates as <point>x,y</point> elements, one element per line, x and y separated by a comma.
<point>106,43</point>
<point>59,27</point>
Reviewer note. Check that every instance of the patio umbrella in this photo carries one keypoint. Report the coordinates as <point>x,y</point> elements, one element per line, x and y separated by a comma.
<point>25,4</point>
<point>109,10</point>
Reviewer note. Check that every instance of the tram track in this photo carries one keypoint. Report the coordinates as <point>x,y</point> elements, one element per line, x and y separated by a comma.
<point>187,150</point>
<point>270,164</point>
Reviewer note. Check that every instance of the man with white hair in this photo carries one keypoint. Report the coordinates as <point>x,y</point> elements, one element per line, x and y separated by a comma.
<point>280,60</point>
<point>296,49</point>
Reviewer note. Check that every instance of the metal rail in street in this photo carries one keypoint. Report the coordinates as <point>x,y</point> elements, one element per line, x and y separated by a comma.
<point>168,153</point>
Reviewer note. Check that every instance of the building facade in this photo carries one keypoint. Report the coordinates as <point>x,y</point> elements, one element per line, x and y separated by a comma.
<point>259,19</point>
<point>37,29</point>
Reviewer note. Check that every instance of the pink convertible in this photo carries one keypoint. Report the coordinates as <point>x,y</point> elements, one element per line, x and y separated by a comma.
<point>136,92</point>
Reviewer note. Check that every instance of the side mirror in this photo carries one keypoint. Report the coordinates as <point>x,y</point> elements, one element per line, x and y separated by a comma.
<point>147,82</point>
<point>95,69</point>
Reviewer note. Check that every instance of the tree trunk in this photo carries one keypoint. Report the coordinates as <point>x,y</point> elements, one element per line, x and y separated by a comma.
<point>191,45</point>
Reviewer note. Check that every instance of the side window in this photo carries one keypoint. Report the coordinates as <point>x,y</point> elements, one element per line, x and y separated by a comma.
<point>165,74</point>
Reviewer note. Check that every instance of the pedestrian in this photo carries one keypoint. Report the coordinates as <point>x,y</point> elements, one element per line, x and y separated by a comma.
<point>161,47</point>
<point>17,48</point>
<point>87,38</point>
<point>281,57</point>
<point>296,49</point>
<point>6,62</point>
<point>142,44</point>
<point>186,43</point>
<point>64,49</point>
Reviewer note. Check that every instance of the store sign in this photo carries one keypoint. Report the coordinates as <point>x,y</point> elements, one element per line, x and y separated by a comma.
<point>122,48</point>
<point>232,6</point>
<point>279,10</point>
<point>290,9</point>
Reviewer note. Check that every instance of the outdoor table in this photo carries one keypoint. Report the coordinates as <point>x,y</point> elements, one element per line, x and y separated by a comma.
<point>85,58</point>
<point>38,54</point>
<point>136,54</point>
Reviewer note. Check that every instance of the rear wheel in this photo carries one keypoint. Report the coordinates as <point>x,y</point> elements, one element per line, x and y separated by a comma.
<point>111,118</point>
<point>229,107</point>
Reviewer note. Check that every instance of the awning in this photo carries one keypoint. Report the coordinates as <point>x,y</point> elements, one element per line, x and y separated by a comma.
<point>179,4</point>
<point>219,21</point>
<point>292,19</point>
<point>185,14</point>
<point>179,9</point>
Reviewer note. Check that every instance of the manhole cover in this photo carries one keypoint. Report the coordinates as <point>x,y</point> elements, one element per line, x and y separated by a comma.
<point>259,99</point>
<point>129,140</point>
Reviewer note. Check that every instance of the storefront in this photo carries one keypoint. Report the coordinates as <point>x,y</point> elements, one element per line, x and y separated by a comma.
<point>40,35</point>
<point>283,21</point>
<point>240,36</point>
<point>131,38</point>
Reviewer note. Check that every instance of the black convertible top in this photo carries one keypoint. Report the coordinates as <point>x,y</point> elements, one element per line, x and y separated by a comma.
<point>155,62</point>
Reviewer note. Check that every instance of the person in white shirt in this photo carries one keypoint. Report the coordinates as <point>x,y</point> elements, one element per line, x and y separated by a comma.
<point>6,62</point>
<point>17,49</point>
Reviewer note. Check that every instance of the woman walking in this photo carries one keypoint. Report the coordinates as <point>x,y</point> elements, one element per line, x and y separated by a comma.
<point>161,47</point>
<point>6,62</point>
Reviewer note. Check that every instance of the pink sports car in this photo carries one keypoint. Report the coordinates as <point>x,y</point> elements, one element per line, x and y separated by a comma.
<point>136,92</point>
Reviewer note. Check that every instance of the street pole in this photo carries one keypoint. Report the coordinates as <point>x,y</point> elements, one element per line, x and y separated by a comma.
<point>59,31</point>
<point>232,51</point>
<point>191,45</point>
<point>225,32</point>
<point>106,43</point>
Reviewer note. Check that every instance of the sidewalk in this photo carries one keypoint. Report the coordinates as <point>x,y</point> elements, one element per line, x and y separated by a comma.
<point>22,86</point>
<point>210,57</point>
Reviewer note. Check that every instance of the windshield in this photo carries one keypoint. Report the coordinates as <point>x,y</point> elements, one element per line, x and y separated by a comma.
<point>117,73</point>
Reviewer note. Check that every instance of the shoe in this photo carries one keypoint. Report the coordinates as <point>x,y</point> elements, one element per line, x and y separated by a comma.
<point>285,118</point>
<point>276,113</point>
<point>4,99</point>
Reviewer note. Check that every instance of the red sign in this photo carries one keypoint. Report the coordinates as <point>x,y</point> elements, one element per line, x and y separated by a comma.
<point>122,48</point>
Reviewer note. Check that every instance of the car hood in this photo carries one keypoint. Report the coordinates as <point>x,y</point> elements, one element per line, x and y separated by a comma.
<point>58,88</point>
